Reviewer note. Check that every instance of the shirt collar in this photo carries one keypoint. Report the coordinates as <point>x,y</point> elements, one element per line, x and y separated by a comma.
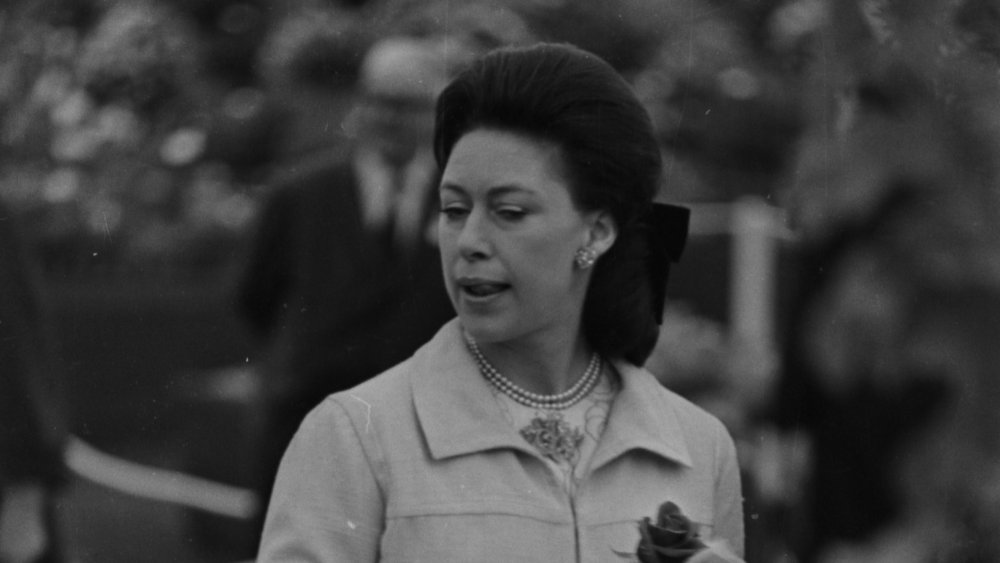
<point>459,415</point>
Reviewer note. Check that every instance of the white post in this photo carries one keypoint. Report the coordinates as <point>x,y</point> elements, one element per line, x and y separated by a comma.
<point>752,276</point>
<point>757,229</point>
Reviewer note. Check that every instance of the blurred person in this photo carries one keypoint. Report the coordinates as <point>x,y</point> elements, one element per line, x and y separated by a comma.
<point>525,430</point>
<point>31,432</point>
<point>342,278</point>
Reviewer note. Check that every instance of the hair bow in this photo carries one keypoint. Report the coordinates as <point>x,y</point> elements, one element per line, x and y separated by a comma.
<point>667,232</point>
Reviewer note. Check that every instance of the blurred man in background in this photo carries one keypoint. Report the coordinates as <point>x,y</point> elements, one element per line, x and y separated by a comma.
<point>343,280</point>
<point>31,431</point>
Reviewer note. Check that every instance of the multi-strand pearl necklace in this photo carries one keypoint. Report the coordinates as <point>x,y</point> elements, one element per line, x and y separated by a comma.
<point>558,401</point>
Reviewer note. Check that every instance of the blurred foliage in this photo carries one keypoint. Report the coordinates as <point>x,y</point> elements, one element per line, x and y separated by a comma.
<point>114,134</point>
<point>877,124</point>
<point>138,133</point>
<point>895,195</point>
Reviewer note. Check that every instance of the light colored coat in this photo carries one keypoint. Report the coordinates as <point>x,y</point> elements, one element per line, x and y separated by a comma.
<point>420,465</point>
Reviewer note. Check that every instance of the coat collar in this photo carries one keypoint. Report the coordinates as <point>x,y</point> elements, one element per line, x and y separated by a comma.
<point>459,415</point>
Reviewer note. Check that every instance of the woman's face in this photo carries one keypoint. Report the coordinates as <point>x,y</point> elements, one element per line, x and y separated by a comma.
<point>509,231</point>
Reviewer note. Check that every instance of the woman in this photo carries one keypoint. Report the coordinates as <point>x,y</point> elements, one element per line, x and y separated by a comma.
<point>524,430</point>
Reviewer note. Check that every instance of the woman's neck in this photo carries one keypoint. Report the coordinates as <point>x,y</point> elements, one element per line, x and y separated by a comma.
<point>546,366</point>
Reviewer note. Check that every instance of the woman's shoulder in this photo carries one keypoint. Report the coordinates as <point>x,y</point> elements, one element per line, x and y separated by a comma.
<point>373,417</point>
<point>390,393</point>
<point>693,418</point>
<point>387,392</point>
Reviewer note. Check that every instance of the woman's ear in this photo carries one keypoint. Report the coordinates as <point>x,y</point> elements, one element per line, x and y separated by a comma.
<point>602,233</point>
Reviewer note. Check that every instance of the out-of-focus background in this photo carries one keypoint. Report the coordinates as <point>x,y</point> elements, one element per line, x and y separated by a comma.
<point>137,140</point>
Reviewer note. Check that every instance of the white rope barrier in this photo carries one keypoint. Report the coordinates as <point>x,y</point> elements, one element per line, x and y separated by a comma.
<point>159,484</point>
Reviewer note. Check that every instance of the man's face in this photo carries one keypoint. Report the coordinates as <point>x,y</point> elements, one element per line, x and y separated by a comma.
<point>399,83</point>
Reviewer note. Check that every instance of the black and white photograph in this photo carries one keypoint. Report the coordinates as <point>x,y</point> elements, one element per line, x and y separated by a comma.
<point>429,281</point>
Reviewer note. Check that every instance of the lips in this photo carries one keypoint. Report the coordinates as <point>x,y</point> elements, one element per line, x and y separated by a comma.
<point>484,289</point>
<point>478,288</point>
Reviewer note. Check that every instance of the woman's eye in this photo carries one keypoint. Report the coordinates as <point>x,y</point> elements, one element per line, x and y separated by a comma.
<point>453,211</point>
<point>511,213</point>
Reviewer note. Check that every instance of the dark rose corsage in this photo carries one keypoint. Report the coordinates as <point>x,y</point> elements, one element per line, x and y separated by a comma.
<point>672,538</point>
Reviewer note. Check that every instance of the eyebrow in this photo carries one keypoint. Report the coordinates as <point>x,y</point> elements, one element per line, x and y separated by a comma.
<point>491,192</point>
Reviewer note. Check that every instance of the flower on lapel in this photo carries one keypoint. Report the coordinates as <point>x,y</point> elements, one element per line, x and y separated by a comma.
<point>672,538</point>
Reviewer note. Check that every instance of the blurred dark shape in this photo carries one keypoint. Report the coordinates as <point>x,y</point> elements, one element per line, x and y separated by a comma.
<point>232,31</point>
<point>727,112</point>
<point>342,280</point>
<point>732,140</point>
<point>78,14</point>
<point>890,364</point>
<point>755,20</point>
<point>623,33</point>
<point>981,20</point>
<point>860,428</point>
<point>331,57</point>
<point>137,55</point>
<point>890,372</point>
<point>32,427</point>
<point>309,66</point>
<point>243,132</point>
<point>479,25</point>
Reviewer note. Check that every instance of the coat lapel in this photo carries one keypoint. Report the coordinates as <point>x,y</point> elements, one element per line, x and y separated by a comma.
<point>459,414</point>
<point>456,408</point>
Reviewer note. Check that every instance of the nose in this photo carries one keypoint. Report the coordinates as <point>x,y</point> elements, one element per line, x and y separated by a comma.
<point>473,238</point>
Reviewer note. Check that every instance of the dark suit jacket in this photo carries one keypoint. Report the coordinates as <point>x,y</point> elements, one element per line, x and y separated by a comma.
<point>337,304</point>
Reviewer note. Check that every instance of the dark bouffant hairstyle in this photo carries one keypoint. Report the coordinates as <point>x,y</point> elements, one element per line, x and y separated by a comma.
<point>562,94</point>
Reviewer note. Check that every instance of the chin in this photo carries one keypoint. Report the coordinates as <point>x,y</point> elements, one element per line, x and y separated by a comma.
<point>487,330</point>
